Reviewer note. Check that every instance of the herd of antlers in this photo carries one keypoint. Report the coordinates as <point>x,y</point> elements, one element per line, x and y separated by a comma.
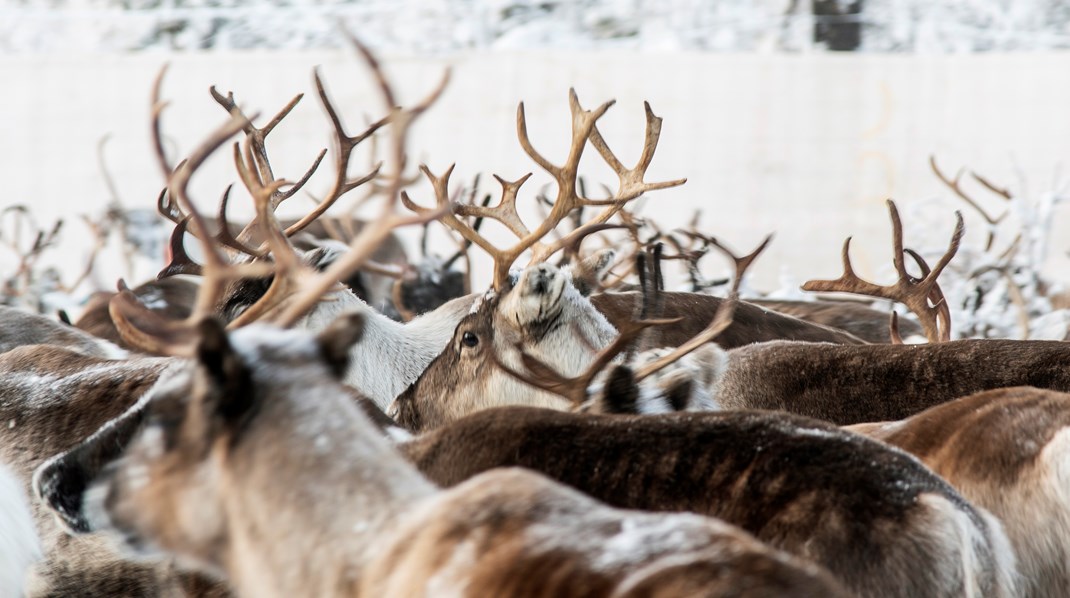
<point>257,422</point>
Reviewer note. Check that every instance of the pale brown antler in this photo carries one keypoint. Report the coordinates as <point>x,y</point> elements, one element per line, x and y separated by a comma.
<point>954,185</point>
<point>915,294</point>
<point>295,288</point>
<point>568,197</point>
<point>147,330</point>
<point>575,389</point>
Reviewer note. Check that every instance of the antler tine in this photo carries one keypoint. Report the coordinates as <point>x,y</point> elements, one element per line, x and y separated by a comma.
<point>370,237</point>
<point>893,329</point>
<point>157,108</point>
<point>545,377</point>
<point>915,294</point>
<point>935,297</point>
<point>721,320</point>
<point>953,184</point>
<point>224,236</point>
<point>1000,191</point>
<point>180,262</point>
<point>742,264</point>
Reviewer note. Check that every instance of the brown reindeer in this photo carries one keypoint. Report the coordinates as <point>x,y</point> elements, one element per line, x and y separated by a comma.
<point>172,297</point>
<point>1005,450</point>
<point>202,480</point>
<point>19,328</point>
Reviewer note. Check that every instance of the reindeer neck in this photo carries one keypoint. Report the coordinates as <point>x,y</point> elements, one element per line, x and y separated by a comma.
<point>318,509</point>
<point>392,355</point>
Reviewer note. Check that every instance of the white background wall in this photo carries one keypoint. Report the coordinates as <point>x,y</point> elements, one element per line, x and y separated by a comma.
<point>807,146</point>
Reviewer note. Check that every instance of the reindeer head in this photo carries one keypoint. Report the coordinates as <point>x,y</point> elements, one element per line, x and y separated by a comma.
<point>544,313</point>
<point>241,396</point>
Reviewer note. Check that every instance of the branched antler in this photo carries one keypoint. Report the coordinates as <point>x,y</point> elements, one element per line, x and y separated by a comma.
<point>568,198</point>
<point>923,296</point>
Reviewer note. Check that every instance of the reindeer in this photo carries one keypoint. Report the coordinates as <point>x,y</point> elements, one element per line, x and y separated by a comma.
<point>19,328</point>
<point>1006,451</point>
<point>558,327</point>
<point>200,480</point>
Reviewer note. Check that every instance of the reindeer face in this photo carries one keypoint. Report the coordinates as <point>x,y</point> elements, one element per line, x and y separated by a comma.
<point>544,314</point>
<point>534,304</point>
<point>174,487</point>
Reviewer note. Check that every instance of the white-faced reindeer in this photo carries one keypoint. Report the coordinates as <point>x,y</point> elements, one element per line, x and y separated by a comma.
<point>238,473</point>
<point>565,331</point>
<point>1007,451</point>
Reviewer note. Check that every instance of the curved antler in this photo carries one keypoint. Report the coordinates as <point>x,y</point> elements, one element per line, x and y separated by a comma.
<point>917,295</point>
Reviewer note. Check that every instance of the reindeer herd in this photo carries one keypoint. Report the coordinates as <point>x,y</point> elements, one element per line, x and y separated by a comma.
<point>303,412</point>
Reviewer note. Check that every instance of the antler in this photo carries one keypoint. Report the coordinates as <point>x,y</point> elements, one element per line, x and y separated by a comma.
<point>741,264</point>
<point>146,330</point>
<point>954,185</point>
<point>575,389</point>
<point>295,288</point>
<point>918,295</point>
<point>568,199</point>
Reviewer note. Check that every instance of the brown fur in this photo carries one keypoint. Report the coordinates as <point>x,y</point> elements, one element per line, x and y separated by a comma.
<point>173,298</point>
<point>866,323</point>
<point>51,399</point>
<point>750,323</point>
<point>997,447</point>
<point>849,385</point>
<point>848,504</point>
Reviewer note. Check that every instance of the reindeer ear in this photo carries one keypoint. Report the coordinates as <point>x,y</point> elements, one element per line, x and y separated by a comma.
<point>336,340</point>
<point>679,394</point>
<point>621,392</point>
<point>588,274</point>
<point>231,381</point>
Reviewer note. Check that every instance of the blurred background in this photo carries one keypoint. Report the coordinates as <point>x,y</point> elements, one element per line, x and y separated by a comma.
<point>794,117</point>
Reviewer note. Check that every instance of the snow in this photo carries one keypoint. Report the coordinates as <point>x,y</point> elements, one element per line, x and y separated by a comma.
<point>442,26</point>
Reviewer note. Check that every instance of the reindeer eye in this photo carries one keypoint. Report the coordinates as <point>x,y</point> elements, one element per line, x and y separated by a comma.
<point>469,339</point>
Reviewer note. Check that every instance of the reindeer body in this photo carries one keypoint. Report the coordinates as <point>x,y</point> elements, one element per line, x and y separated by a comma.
<point>881,522</point>
<point>1008,451</point>
<point>849,385</point>
<point>201,479</point>
<point>752,323</point>
<point>857,318</point>
<point>19,327</point>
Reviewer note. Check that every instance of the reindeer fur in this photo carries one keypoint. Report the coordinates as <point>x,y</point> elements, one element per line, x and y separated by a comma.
<point>52,398</point>
<point>849,385</point>
<point>1008,451</point>
<point>19,328</point>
